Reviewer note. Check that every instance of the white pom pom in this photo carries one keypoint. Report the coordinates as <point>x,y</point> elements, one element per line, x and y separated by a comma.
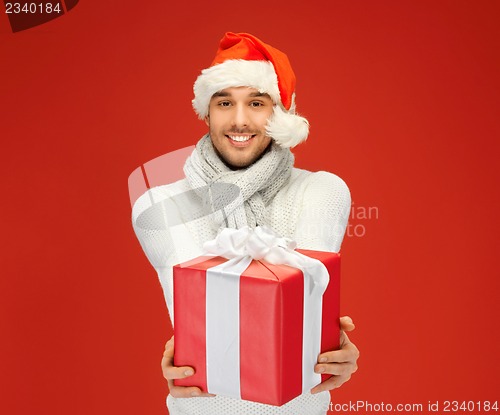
<point>286,129</point>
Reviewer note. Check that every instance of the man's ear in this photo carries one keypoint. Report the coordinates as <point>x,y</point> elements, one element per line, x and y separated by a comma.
<point>207,120</point>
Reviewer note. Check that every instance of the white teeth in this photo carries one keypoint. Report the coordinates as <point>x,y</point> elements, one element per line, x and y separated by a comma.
<point>240,138</point>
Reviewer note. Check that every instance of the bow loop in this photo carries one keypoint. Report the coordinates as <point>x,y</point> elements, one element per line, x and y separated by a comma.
<point>262,243</point>
<point>259,243</point>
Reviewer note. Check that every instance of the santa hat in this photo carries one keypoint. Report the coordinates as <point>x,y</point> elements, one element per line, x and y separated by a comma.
<point>244,60</point>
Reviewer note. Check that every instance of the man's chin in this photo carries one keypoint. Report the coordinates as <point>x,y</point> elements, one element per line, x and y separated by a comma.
<point>237,164</point>
<point>241,161</point>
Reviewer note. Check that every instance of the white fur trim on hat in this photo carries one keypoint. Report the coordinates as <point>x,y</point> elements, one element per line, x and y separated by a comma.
<point>287,129</point>
<point>233,73</point>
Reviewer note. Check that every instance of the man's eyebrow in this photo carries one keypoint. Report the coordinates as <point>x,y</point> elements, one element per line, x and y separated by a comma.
<point>221,94</point>
<point>252,94</point>
<point>259,94</point>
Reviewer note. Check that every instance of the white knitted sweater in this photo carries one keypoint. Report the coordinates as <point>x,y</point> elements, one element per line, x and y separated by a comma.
<point>312,209</point>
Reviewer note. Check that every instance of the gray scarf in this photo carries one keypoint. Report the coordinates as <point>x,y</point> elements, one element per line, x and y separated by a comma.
<point>237,197</point>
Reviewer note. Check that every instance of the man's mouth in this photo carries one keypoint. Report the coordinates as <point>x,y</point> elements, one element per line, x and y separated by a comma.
<point>240,138</point>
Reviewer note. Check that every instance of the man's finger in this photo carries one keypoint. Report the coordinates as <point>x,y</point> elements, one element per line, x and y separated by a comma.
<point>337,369</point>
<point>172,372</point>
<point>167,360</point>
<point>168,354</point>
<point>170,343</point>
<point>186,392</point>
<point>346,323</point>
<point>329,384</point>
<point>167,364</point>
<point>348,353</point>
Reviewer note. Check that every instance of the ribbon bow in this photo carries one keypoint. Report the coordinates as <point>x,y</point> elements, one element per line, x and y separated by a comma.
<point>262,243</point>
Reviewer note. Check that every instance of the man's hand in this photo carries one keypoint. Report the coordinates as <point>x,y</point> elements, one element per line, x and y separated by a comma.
<point>339,363</point>
<point>170,372</point>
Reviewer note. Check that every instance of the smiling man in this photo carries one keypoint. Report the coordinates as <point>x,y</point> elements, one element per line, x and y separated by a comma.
<point>247,99</point>
<point>237,120</point>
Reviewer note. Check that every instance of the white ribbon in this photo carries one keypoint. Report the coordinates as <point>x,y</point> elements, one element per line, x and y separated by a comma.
<point>240,246</point>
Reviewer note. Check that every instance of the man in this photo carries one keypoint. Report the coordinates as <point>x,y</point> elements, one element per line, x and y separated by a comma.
<point>247,99</point>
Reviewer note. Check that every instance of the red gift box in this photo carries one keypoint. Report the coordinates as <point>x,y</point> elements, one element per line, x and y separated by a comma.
<point>270,326</point>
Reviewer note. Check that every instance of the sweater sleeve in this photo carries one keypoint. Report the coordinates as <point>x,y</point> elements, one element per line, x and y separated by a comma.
<point>326,203</point>
<point>155,239</point>
<point>163,238</point>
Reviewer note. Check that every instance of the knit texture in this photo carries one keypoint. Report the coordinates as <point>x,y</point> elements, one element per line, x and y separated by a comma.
<point>172,223</point>
<point>237,197</point>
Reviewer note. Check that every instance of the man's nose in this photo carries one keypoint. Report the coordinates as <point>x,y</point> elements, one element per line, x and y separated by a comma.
<point>240,118</point>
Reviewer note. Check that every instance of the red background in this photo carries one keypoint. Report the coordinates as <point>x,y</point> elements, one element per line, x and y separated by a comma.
<point>403,99</point>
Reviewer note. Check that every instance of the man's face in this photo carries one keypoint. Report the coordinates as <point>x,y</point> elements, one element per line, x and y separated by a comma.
<point>237,121</point>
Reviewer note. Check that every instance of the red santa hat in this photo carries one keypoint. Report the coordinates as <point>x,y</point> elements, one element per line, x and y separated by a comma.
<point>244,60</point>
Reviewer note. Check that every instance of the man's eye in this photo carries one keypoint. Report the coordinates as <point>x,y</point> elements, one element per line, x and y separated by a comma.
<point>224,103</point>
<point>256,104</point>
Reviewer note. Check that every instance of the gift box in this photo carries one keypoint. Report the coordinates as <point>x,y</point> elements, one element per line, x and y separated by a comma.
<point>253,330</point>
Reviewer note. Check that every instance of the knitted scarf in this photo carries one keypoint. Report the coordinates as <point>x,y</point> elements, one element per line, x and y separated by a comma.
<point>237,198</point>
